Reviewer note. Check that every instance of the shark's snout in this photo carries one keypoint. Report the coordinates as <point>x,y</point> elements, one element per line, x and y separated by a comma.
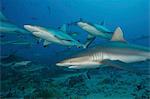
<point>59,64</point>
<point>31,28</point>
<point>81,24</point>
<point>28,27</point>
<point>67,62</point>
<point>62,63</point>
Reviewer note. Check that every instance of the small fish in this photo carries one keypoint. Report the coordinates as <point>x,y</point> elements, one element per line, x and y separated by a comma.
<point>25,43</point>
<point>22,63</point>
<point>2,36</point>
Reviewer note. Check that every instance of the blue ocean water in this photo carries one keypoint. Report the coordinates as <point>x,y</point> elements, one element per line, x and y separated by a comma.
<point>131,15</point>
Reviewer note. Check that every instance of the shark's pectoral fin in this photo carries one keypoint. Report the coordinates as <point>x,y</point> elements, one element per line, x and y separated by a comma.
<point>39,40</point>
<point>89,40</point>
<point>118,35</point>
<point>46,43</point>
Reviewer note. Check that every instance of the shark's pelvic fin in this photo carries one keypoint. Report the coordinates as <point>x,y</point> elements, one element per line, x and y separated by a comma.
<point>39,40</point>
<point>46,43</point>
<point>63,28</point>
<point>74,67</point>
<point>118,35</point>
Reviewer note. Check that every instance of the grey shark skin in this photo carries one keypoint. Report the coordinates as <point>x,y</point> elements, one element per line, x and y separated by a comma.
<point>8,27</point>
<point>53,36</point>
<point>114,51</point>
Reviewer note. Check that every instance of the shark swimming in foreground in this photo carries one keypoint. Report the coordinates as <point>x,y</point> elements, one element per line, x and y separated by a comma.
<point>53,36</point>
<point>95,30</point>
<point>9,28</point>
<point>110,54</point>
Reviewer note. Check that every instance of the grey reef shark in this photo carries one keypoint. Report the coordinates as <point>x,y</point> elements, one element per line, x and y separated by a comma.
<point>114,53</point>
<point>50,35</point>
<point>7,27</point>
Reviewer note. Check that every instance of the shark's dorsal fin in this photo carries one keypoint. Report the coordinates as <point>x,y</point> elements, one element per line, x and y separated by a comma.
<point>2,17</point>
<point>63,28</point>
<point>118,35</point>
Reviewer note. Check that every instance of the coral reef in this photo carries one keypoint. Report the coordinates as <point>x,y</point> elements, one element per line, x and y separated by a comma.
<point>41,81</point>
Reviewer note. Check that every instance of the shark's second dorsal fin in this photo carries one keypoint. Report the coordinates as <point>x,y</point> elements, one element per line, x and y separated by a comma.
<point>63,28</point>
<point>118,35</point>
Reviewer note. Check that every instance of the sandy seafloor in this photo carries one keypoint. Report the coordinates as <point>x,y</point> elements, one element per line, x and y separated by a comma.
<point>31,81</point>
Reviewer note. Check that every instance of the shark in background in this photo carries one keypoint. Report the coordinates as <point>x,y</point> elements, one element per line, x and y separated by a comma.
<point>17,42</point>
<point>51,35</point>
<point>95,30</point>
<point>7,27</point>
<point>115,54</point>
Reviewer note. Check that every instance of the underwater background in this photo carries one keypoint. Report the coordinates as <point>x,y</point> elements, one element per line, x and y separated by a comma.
<point>42,79</point>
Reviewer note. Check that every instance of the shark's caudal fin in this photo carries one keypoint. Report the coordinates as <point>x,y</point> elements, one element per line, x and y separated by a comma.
<point>118,35</point>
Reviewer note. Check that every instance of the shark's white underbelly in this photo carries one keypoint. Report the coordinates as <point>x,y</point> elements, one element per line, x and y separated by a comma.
<point>95,32</point>
<point>51,38</point>
<point>92,30</point>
